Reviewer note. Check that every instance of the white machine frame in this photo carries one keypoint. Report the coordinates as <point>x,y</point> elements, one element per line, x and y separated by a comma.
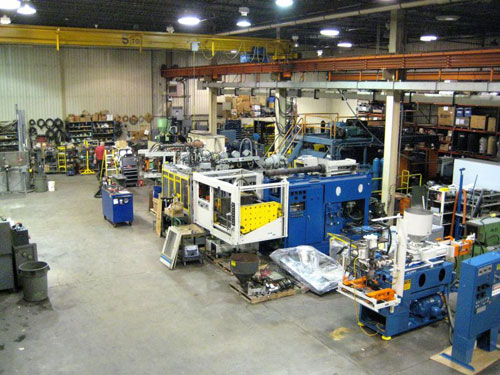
<point>203,210</point>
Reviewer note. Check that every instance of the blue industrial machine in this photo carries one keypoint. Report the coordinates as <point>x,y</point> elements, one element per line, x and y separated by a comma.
<point>478,308</point>
<point>401,287</point>
<point>117,204</point>
<point>325,196</point>
<point>421,304</point>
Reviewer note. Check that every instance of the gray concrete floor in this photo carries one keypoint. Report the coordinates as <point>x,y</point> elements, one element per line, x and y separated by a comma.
<point>115,309</point>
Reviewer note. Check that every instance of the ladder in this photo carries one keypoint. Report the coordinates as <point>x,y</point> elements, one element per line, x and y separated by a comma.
<point>110,165</point>
<point>61,159</point>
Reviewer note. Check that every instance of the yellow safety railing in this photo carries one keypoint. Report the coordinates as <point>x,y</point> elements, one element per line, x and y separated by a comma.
<point>404,178</point>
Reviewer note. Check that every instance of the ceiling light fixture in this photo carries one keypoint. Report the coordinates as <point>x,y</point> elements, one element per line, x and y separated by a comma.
<point>448,18</point>
<point>319,52</point>
<point>26,8</point>
<point>295,39</point>
<point>9,4</point>
<point>189,20</point>
<point>234,51</point>
<point>284,3</point>
<point>5,20</point>
<point>344,44</point>
<point>329,32</point>
<point>243,21</point>
<point>428,38</point>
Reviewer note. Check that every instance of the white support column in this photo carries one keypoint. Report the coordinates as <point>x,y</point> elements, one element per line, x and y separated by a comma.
<point>396,32</point>
<point>280,109</point>
<point>391,149</point>
<point>212,114</point>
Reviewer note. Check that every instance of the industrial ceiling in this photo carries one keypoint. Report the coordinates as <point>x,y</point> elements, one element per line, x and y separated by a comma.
<point>477,23</point>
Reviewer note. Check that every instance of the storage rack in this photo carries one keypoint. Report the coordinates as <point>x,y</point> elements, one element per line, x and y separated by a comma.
<point>80,131</point>
<point>411,119</point>
<point>8,137</point>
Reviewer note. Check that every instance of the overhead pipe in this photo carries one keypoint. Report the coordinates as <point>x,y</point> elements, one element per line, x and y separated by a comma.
<point>334,16</point>
<point>290,171</point>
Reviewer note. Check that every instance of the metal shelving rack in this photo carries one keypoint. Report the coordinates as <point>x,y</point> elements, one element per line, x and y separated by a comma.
<point>80,131</point>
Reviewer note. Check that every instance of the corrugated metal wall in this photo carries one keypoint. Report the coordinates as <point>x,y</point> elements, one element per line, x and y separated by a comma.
<point>29,77</point>
<point>112,79</point>
<point>46,83</point>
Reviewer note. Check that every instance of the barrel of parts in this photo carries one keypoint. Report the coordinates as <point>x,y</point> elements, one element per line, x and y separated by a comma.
<point>34,279</point>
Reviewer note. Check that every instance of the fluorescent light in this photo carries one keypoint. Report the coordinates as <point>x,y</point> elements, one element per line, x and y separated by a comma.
<point>9,4</point>
<point>244,22</point>
<point>234,51</point>
<point>189,20</point>
<point>26,8</point>
<point>329,32</point>
<point>344,44</point>
<point>428,38</point>
<point>448,18</point>
<point>4,20</point>
<point>284,3</point>
<point>319,52</point>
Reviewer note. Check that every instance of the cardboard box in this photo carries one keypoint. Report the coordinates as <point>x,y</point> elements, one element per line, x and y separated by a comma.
<point>444,147</point>
<point>478,122</point>
<point>121,144</point>
<point>492,124</point>
<point>95,117</point>
<point>463,122</point>
<point>446,116</point>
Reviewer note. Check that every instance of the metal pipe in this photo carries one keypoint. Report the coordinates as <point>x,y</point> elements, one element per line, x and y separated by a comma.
<point>334,16</point>
<point>289,171</point>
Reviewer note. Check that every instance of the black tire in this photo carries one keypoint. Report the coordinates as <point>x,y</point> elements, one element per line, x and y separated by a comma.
<point>59,123</point>
<point>32,122</point>
<point>41,123</point>
<point>49,123</point>
<point>50,134</point>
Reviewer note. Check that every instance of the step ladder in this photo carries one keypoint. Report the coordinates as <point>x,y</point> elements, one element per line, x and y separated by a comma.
<point>110,165</point>
<point>61,159</point>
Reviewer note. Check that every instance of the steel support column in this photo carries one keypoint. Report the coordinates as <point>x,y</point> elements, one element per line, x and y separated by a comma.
<point>391,149</point>
<point>212,108</point>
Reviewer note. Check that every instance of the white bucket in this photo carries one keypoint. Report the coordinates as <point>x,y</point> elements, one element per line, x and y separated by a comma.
<point>52,185</point>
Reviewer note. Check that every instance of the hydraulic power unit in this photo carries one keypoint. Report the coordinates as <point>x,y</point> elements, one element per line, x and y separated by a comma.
<point>117,205</point>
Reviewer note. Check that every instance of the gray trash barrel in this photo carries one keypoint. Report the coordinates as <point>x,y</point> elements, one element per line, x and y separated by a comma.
<point>41,183</point>
<point>34,277</point>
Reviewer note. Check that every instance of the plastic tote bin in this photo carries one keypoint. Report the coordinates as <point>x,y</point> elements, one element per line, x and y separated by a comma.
<point>34,277</point>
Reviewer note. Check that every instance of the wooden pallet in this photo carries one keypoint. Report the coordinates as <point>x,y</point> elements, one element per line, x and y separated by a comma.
<point>222,263</point>
<point>235,286</point>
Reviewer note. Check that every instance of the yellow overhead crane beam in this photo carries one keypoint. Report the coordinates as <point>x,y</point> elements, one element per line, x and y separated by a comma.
<point>72,36</point>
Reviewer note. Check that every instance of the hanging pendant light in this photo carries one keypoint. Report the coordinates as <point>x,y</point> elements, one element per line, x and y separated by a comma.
<point>9,4</point>
<point>26,8</point>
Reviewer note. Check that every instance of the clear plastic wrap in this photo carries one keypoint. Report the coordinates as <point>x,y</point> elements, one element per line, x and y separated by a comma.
<point>310,266</point>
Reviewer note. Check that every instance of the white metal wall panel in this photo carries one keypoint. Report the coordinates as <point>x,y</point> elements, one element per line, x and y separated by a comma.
<point>29,77</point>
<point>112,79</point>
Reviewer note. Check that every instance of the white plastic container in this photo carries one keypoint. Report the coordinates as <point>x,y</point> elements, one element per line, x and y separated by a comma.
<point>52,185</point>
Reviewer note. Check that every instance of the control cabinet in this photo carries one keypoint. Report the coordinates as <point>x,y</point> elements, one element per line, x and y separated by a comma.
<point>478,307</point>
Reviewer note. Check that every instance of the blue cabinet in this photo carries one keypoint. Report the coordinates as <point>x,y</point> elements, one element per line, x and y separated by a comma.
<point>117,205</point>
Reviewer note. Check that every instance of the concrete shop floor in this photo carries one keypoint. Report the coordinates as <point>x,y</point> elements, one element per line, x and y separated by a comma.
<point>115,309</point>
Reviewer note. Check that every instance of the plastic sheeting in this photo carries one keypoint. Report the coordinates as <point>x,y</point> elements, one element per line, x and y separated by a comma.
<point>310,266</point>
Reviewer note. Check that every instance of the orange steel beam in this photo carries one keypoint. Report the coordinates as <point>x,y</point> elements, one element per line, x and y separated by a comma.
<point>419,76</point>
<point>485,58</point>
